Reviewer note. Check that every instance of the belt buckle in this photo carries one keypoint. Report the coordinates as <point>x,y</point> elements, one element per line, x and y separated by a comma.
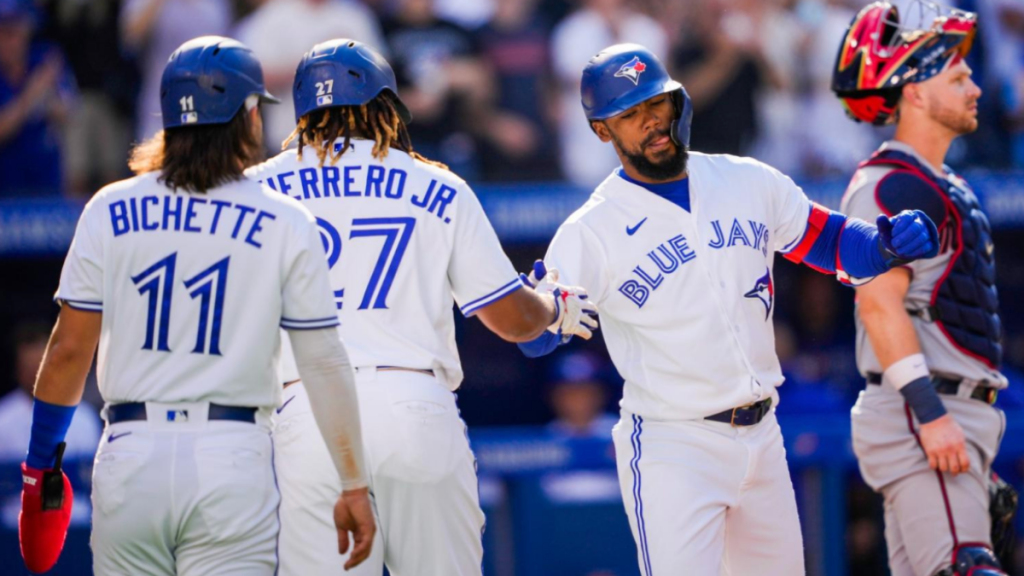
<point>991,396</point>
<point>732,418</point>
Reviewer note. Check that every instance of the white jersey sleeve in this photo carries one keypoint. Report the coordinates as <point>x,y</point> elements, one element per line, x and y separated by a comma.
<point>81,279</point>
<point>307,302</point>
<point>479,271</point>
<point>791,210</point>
<point>576,253</point>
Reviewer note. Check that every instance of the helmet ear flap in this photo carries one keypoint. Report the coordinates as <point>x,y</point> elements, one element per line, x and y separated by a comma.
<point>684,117</point>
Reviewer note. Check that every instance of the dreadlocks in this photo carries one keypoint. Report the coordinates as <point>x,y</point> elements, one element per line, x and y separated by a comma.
<point>377,119</point>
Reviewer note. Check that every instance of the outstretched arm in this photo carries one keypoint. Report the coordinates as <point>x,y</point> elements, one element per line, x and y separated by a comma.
<point>856,252</point>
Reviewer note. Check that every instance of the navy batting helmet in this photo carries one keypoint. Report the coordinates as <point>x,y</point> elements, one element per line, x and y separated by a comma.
<point>624,75</point>
<point>343,73</point>
<point>207,80</point>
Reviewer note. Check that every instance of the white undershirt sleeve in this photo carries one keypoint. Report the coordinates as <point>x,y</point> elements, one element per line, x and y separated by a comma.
<point>327,374</point>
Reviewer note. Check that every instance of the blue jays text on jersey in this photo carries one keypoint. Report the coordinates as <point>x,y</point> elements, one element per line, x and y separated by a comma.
<point>666,258</point>
<point>359,181</point>
<point>188,214</point>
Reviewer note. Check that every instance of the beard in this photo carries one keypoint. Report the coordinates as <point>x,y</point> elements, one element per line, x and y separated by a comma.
<point>959,123</point>
<point>666,169</point>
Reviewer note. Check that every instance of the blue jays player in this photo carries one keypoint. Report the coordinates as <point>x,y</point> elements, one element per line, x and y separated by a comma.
<point>676,249</point>
<point>929,333</point>
<point>182,276</point>
<point>405,238</point>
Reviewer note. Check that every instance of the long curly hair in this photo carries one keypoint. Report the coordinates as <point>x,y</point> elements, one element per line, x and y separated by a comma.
<point>377,119</point>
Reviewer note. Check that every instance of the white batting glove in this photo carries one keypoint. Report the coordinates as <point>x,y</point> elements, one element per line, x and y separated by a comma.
<point>574,313</point>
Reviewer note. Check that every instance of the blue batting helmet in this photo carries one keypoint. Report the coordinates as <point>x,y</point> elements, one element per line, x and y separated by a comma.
<point>207,80</point>
<point>624,75</point>
<point>343,73</point>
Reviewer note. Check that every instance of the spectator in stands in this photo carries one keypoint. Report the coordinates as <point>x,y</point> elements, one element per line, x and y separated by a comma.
<point>281,31</point>
<point>99,133</point>
<point>442,80</point>
<point>152,29</point>
<point>597,24</point>
<point>579,398</point>
<point>16,406</point>
<point>16,421</point>
<point>1002,34</point>
<point>830,143</point>
<point>36,93</point>
<point>720,60</point>
<point>519,142</point>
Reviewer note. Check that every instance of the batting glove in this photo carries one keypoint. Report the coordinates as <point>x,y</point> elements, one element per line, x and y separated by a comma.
<point>907,236</point>
<point>575,315</point>
<point>46,499</point>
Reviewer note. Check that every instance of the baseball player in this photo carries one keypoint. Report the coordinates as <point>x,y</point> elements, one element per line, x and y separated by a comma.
<point>928,333</point>
<point>405,238</point>
<point>182,276</point>
<point>676,249</point>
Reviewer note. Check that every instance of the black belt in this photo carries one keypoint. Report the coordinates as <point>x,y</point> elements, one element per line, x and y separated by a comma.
<point>949,386</point>
<point>744,415</point>
<point>129,411</point>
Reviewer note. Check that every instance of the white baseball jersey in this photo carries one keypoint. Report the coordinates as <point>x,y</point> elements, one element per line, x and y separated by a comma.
<point>686,298</point>
<point>404,240</point>
<point>193,287</point>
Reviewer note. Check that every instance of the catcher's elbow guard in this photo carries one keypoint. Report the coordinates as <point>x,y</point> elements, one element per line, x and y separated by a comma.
<point>46,499</point>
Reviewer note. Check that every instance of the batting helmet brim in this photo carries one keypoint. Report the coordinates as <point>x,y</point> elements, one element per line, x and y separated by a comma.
<point>632,98</point>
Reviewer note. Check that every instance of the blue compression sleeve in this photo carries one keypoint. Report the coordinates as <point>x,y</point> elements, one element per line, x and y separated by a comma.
<point>50,423</point>
<point>860,252</point>
<point>540,346</point>
<point>822,254</point>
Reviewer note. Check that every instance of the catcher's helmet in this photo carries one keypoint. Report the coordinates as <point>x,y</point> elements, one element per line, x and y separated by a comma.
<point>879,55</point>
<point>343,73</point>
<point>207,80</point>
<point>624,75</point>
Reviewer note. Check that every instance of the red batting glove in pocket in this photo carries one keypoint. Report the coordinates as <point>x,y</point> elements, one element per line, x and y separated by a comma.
<point>46,499</point>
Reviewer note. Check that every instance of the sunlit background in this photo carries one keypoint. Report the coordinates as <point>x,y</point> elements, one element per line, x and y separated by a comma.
<point>494,88</point>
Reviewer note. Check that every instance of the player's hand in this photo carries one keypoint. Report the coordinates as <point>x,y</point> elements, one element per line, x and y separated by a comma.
<point>909,235</point>
<point>46,499</point>
<point>575,315</point>
<point>354,513</point>
<point>943,442</point>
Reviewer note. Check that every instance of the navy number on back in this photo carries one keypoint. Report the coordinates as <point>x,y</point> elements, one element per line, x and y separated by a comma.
<point>209,285</point>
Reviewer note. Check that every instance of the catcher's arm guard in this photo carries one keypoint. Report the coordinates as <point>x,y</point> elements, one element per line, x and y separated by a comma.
<point>46,499</point>
<point>1002,509</point>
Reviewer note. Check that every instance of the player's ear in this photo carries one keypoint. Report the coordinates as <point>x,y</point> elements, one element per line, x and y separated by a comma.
<point>601,129</point>
<point>913,96</point>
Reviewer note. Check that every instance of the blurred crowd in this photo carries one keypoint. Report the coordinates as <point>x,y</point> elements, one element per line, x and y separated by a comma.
<point>493,84</point>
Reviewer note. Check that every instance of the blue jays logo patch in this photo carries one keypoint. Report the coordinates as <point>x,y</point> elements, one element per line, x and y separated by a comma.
<point>632,70</point>
<point>764,291</point>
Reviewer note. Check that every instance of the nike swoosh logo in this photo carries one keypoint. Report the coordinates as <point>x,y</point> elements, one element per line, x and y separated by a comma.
<point>632,230</point>
<point>286,402</point>
<point>116,436</point>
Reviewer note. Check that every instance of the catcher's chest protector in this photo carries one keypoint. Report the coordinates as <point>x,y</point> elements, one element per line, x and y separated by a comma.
<point>964,303</point>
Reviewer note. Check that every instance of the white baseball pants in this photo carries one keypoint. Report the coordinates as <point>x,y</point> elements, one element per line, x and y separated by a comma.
<point>185,498</point>
<point>422,480</point>
<point>703,497</point>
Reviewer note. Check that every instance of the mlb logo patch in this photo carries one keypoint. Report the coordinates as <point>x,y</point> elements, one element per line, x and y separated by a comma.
<point>190,118</point>
<point>177,415</point>
<point>325,100</point>
<point>632,70</point>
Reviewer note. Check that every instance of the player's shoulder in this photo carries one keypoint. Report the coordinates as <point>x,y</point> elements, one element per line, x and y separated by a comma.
<point>894,189</point>
<point>273,165</point>
<point>730,166</point>
<point>138,185</point>
<point>431,171</point>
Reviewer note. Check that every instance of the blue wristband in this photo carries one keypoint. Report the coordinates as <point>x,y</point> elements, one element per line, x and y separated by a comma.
<point>541,346</point>
<point>861,251</point>
<point>50,423</point>
<point>923,400</point>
